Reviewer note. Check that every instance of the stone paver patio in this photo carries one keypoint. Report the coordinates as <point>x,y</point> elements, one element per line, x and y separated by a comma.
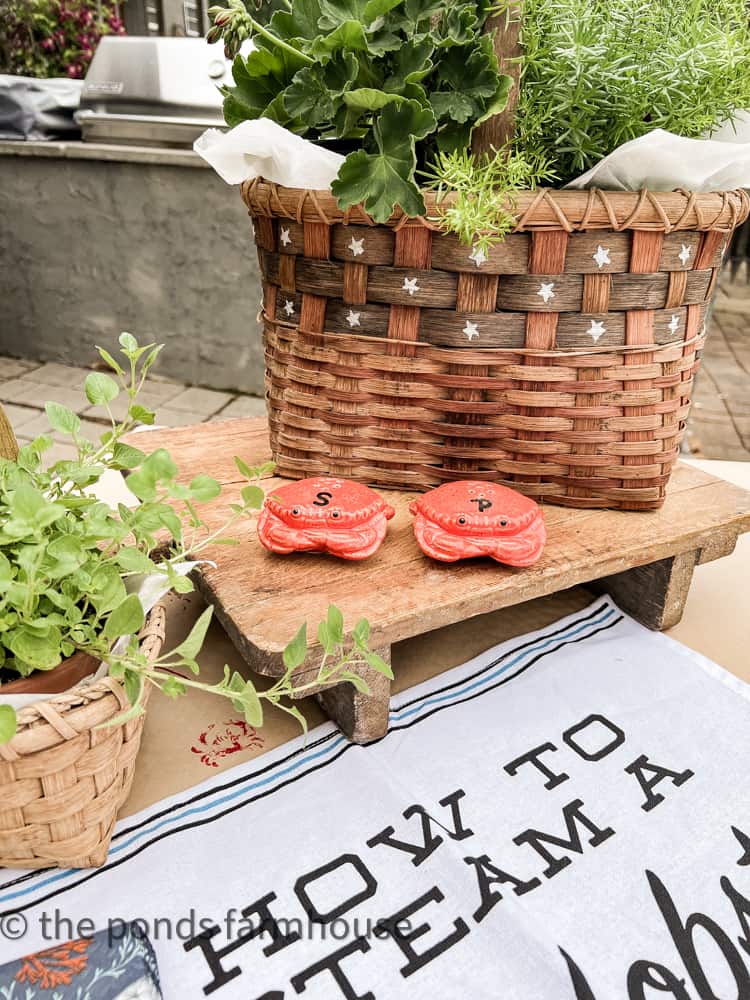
<point>26,385</point>
<point>720,418</point>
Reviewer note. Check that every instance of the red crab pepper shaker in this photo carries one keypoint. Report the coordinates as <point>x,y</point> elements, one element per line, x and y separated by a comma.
<point>324,514</point>
<point>466,519</point>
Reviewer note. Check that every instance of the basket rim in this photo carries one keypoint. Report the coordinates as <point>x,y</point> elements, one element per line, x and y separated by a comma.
<point>151,640</point>
<point>539,210</point>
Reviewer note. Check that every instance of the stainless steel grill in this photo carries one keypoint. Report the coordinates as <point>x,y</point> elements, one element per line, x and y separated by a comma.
<point>152,91</point>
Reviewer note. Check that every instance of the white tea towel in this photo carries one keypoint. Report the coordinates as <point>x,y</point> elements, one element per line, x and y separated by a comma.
<point>565,817</point>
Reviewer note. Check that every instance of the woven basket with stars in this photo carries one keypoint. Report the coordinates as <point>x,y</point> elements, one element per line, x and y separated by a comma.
<point>559,362</point>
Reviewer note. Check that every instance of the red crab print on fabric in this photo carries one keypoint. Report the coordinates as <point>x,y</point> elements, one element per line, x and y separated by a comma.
<point>57,966</point>
<point>324,514</point>
<point>221,740</point>
<point>466,519</point>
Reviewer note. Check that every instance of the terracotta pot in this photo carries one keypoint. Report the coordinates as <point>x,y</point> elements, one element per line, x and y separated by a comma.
<point>63,677</point>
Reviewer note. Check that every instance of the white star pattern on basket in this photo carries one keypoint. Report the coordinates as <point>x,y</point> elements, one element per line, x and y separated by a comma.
<point>285,238</point>
<point>357,247</point>
<point>596,330</point>
<point>601,256</point>
<point>471,330</point>
<point>352,318</point>
<point>546,291</point>
<point>478,256</point>
<point>410,285</point>
<point>289,307</point>
<point>674,324</point>
<point>684,253</point>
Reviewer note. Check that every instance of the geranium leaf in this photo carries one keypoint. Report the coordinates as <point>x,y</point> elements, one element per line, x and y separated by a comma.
<point>451,104</point>
<point>259,81</point>
<point>499,102</point>
<point>420,10</point>
<point>385,179</point>
<point>349,35</point>
<point>378,8</point>
<point>474,76</point>
<point>315,91</point>
<point>368,99</point>
<point>458,26</point>
<point>300,22</point>
<point>411,64</point>
<point>335,12</point>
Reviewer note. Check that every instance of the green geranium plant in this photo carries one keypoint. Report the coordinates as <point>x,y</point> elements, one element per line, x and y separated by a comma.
<point>66,558</point>
<point>388,76</point>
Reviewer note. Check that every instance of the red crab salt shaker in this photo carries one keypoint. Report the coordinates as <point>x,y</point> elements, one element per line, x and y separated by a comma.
<point>466,519</point>
<point>324,514</point>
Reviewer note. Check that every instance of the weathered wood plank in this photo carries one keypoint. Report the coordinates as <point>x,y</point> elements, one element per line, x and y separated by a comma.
<point>267,596</point>
<point>361,717</point>
<point>654,594</point>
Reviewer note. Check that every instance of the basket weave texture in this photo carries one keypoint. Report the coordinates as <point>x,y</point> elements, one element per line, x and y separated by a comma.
<point>62,779</point>
<point>560,362</point>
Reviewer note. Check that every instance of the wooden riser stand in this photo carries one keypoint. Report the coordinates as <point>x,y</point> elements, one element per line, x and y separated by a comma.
<point>644,560</point>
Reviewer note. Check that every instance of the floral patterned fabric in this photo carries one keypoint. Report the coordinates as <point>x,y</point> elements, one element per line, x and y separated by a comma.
<point>107,966</point>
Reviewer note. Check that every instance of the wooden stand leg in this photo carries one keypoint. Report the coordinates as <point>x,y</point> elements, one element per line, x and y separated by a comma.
<point>361,717</point>
<point>655,594</point>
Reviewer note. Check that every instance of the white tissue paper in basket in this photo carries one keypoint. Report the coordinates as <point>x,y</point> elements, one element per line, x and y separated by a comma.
<point>662,161</point>
<point>261,148</point>
<point>659,160</point>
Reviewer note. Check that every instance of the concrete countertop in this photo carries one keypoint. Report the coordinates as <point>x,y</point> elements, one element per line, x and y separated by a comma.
<point>77,150</point>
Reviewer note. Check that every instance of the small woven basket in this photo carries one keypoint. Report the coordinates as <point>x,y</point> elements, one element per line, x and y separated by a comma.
<point>62,779</point>
<point>559,363</point>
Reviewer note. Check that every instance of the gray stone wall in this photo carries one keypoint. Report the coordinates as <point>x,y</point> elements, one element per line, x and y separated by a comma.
<point>90,247</point>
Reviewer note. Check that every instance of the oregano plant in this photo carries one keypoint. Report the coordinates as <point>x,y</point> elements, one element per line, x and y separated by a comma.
<point>67,558</point>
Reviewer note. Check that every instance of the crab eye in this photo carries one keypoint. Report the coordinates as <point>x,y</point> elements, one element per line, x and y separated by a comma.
<point>462,520</point>
<point>295,511</point>
<point>503,523</point>
<point>336,514</point>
